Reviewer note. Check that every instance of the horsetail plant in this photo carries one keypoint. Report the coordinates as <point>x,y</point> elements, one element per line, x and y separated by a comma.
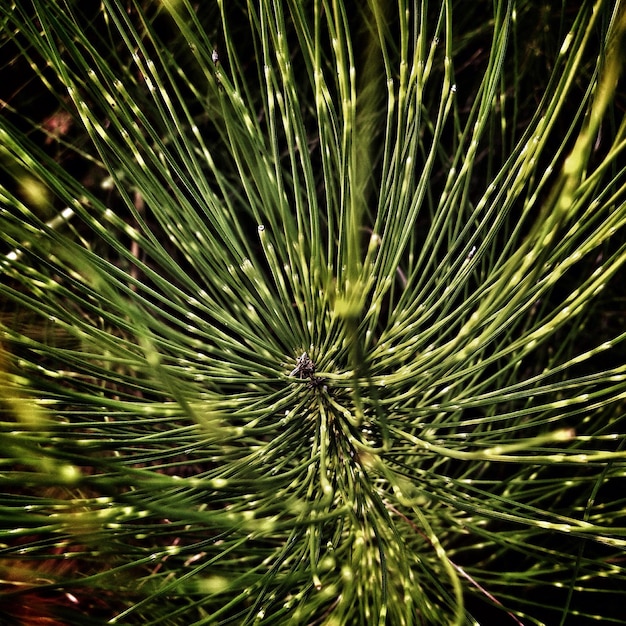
<point>312,312</point>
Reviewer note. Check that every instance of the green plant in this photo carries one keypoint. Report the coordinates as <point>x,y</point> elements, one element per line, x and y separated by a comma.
<point>312,313</point>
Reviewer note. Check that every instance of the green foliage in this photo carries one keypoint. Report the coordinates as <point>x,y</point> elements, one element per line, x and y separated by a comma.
<point>312,313</point>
